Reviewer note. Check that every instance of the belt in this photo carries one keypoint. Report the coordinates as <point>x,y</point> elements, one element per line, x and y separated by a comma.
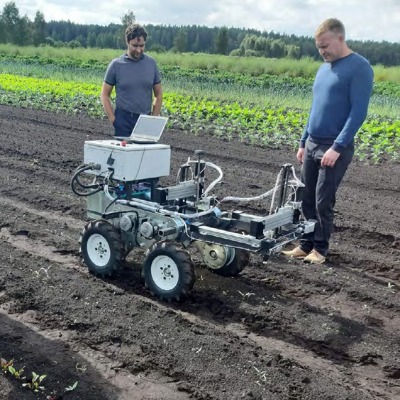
<point>132,114</point>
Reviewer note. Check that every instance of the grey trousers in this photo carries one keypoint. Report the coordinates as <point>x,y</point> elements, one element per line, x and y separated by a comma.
<point>319,193</point>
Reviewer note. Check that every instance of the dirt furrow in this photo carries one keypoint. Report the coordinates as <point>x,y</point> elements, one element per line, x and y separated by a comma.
<point>281,330</point>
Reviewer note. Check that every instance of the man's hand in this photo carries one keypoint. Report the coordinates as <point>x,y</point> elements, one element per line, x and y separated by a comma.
<point>300,155</point>
<point>329,158</point>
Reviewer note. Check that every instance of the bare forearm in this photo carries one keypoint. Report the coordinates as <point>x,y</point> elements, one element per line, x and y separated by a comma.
<point>108,108</point>
<point>157,105</point>
<point>105,98</point>
<point>158,95</point>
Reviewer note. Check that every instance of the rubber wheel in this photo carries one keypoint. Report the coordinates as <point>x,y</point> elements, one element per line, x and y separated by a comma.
<point>168,271</point>
<point>101,248</point>
<point>236,266</point>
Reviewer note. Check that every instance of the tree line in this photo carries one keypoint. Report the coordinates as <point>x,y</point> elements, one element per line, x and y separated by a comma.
<point>21,31</point>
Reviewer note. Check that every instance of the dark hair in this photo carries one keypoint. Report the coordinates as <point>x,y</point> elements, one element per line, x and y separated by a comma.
<point>135,31</point>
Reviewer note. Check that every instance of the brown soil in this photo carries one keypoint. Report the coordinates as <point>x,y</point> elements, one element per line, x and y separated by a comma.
<point>280,330</point>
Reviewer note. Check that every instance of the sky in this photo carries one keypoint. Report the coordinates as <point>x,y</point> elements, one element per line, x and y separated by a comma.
<point>364,19</point>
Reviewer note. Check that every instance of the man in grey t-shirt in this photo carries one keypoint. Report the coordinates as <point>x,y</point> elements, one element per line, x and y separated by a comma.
<point>136,78</point>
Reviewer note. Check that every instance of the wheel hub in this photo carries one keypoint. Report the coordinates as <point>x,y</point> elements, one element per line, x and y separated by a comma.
<point>100,249</point>
<point>166,272</point>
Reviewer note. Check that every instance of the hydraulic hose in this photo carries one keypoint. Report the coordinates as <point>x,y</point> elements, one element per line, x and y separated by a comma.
<point>247,199</point>
<point>295,183</point>
<point>213,183</point>
<point>75,178</point>
<point>216,181</point>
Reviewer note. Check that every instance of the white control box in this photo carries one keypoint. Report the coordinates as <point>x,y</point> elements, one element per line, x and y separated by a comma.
<point>130,162</point>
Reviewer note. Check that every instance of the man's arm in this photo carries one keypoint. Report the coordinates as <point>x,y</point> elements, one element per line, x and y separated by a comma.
<point>302,145</point>
<point>158,94</point>
<point>359,92</point>
<point>105,98</point>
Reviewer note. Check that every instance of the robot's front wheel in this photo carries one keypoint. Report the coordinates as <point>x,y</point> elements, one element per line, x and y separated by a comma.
<point>101,248</point>
<point>168,271</point>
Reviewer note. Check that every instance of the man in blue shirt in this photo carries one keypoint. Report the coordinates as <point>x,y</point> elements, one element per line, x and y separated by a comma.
<point>136,78</point>
<point>341,93</point>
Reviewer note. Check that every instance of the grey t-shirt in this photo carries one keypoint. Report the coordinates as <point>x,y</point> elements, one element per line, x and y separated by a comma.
<point>133,81</point>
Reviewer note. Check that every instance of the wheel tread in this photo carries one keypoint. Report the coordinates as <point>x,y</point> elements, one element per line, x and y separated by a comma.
<point>108,231</point>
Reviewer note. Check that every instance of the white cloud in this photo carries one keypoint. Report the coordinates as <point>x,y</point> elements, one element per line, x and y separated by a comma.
<point>364,19</point>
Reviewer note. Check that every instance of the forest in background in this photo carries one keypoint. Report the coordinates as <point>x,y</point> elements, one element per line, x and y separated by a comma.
<point>21,31</point>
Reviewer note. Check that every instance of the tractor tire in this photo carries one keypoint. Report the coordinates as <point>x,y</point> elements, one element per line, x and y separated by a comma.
<point>168,271</point>
<point>101,248</point>
<point>236,266</point>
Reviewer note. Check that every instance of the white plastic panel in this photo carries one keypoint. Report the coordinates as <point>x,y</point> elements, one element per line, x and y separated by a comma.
<point>130,162</point>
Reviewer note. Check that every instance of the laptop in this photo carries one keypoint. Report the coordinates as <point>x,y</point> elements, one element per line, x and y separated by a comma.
<point>148,130</point>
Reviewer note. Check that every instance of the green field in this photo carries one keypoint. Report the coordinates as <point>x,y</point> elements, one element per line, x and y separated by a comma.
<point>259,101</point>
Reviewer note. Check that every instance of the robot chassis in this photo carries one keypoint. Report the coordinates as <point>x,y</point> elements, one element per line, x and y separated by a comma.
<point>128,209</point>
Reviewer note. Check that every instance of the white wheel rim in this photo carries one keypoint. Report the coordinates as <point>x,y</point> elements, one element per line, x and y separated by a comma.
<point>98,250</point>
<point>164,272</point>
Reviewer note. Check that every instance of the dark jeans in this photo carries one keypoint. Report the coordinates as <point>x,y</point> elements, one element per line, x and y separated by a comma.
<point>124,122</point>
<point>319,193</point>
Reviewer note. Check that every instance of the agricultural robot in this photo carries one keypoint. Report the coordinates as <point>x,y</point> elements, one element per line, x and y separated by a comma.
<point>128,208</point>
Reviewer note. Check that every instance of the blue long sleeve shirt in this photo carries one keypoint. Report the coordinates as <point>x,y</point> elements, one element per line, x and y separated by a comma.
<point>341,94</point>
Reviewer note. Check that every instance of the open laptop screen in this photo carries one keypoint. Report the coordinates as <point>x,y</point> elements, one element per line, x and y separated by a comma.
<point>148,129</point>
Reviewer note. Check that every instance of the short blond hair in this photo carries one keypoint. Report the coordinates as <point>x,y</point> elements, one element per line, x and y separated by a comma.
<point>331,25</point>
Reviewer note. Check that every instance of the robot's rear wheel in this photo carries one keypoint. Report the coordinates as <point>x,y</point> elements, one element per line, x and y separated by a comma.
<point>101,248</point>
<point>168,271</point>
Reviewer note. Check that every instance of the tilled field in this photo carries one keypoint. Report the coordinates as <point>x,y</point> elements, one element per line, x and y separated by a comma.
<point>280,330</point>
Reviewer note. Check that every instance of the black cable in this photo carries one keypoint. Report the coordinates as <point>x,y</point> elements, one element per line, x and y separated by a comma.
<point>75,179</point>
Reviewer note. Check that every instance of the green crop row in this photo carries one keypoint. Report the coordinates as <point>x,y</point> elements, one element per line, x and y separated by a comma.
<point>252,123</point>
<point>267,91</point>
<point>94,70</point>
